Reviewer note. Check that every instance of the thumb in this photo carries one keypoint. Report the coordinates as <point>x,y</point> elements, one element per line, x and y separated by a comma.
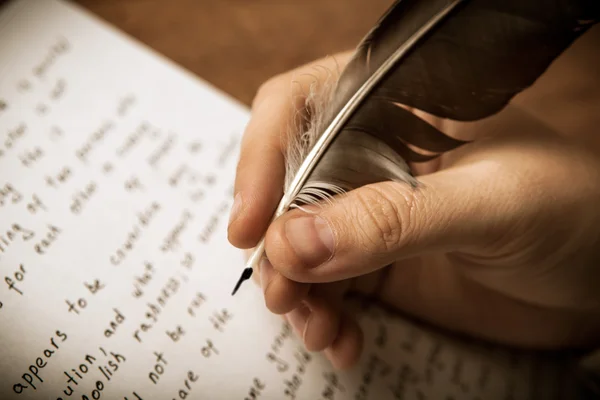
<point>375,225</point>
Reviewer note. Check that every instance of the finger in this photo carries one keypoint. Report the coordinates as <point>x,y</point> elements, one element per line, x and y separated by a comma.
<point>346,349</point>
<point>490,189</point>
<point>282,295</point>
<point>260,171</point>
<point>316,323</point>
<point>317,320</point>
<point>373,226</point>
<point>278,106</point>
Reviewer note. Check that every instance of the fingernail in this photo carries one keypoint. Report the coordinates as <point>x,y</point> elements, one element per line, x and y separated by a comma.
<point>266,273</point>
<point>311,238</point>
<point>235,208</point>
<point>298,318</point>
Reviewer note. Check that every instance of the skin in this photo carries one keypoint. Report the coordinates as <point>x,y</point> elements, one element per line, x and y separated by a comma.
<point>501,241</point>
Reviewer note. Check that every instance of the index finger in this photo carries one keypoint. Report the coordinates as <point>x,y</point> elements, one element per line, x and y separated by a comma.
<point>278,107</point>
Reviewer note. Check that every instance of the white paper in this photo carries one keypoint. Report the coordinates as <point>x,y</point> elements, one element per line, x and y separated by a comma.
<point>116,171</point>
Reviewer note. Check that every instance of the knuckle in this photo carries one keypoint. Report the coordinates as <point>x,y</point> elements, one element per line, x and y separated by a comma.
<point>276,84</point>
<point>386,214</point>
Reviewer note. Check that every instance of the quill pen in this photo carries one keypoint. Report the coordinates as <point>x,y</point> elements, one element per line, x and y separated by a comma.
<point>462,60</point>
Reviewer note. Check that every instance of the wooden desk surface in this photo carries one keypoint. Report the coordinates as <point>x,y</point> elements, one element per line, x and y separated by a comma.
<point>238,44</point>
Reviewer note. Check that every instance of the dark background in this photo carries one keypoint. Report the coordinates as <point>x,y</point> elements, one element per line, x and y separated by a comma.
<point>238,44</point>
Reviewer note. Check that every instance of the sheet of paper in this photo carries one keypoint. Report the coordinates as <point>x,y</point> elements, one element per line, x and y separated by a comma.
<point>116,171</point>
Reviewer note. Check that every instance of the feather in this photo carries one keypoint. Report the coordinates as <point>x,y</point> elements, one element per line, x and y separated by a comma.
<point>462,60</point>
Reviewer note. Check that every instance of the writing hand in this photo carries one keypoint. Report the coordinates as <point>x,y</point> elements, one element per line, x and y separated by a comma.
<point>501,240</point>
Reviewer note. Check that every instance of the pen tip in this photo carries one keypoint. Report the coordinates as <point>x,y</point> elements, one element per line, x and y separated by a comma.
<point>245,276</point>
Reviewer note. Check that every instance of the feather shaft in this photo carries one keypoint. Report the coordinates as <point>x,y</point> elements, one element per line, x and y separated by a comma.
<point>350,107</point>
<point>335,126</point>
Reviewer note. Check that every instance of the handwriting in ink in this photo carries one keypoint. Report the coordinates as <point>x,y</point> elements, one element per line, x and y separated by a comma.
<point>141,281</point>
<point>187,387</point>
<point>116,321</point>
<point>15,232</point>
<point>93,140</point>
<point>81,303</point>
<point>8,194</point>
<point>31,156</point>
<point>52,233</point>
<point>159,368</point>
<point>172,241</point>
<point>81,197</point>
<point>17,276</point>
<point>33,378</point>
<point>155,309</point>
<point>58,49</point>
<point>108,363</point>
<point>36,204</point>
<point>143,220</point>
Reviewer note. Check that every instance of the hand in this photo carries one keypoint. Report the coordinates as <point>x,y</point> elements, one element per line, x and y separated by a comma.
<point>501,241</point>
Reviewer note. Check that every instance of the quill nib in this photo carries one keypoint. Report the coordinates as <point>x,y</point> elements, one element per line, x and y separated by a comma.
<point>245,276</point>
